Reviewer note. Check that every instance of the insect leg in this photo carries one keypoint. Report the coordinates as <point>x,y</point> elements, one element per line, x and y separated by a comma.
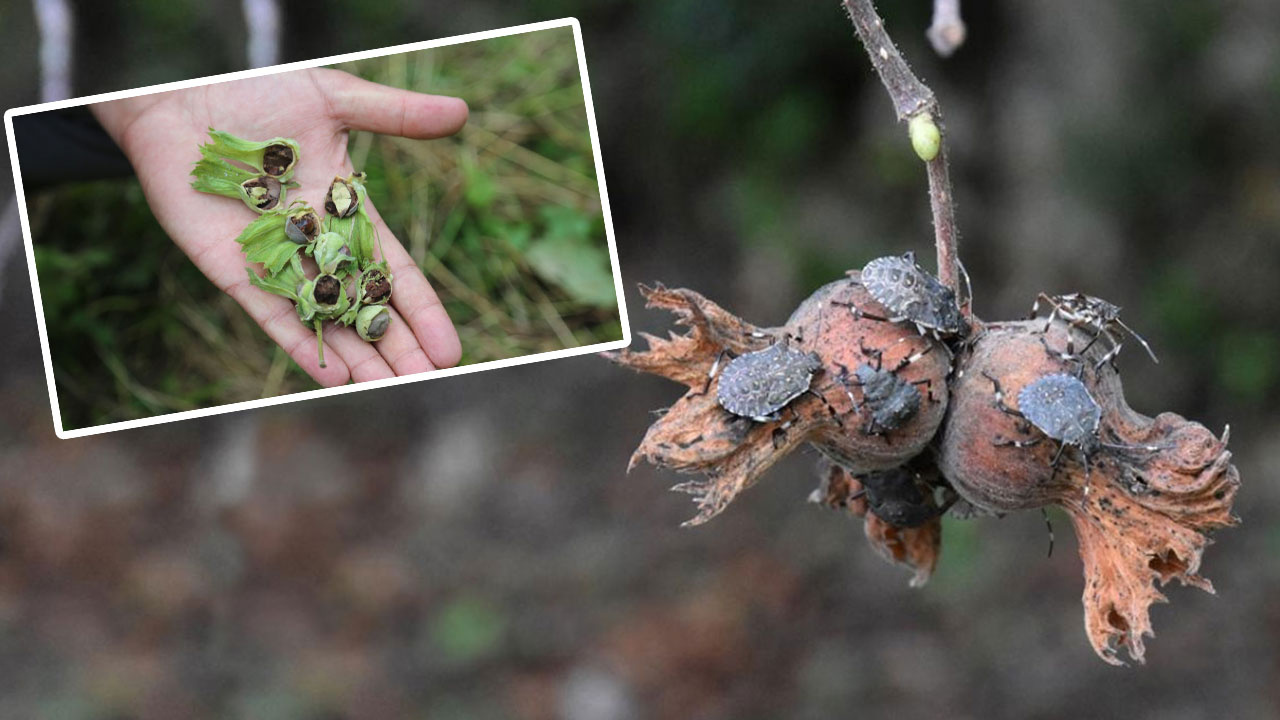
<point>1001,442</point>
<point>1000,404</point>
<point>871,352</point>
<point>1048,524</point>
<point>1110,357</point>
<point>843,379</point>
<point>830,408</point>
<point>1058,456</point>
<point>1035,306</point>
<point>928,387</point>
<point>715,367</point>
<point>911,358</point>
<point>859,312</point>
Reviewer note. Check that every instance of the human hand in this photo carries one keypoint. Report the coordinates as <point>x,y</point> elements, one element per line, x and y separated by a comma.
<point>160,133</point>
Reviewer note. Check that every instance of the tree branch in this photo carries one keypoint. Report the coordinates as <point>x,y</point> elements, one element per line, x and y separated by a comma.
<point>912,98</point>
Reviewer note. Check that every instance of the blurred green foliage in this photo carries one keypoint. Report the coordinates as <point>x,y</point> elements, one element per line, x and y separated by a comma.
<point>504,219</point>
<point>466,630</point>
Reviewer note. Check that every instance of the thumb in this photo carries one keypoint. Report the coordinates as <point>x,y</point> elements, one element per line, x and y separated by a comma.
<point>362,105</point>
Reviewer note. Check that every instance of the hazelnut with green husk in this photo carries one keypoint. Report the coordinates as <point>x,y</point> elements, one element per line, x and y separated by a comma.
<point>276,236</point>
<point>372,322</point>
<point>276,157</point>
<point>261,193</point>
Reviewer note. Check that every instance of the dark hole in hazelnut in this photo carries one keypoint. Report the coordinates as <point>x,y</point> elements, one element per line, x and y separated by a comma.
<point>377,288</point>
<point>328,290</point>
<point>276,159</point>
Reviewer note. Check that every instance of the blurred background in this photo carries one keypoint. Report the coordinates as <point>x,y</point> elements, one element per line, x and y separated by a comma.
<point>505,220</point>
<point>471,547</point>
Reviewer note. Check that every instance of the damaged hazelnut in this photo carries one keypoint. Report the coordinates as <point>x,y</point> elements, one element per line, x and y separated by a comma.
<point>302,227</point>
<point>277,159</point>
<point>341,201</point>
<point>375,286</point>
<point>263,192</point>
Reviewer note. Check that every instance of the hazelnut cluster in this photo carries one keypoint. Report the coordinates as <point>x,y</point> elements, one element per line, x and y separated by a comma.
<point>918,416</point>
<point>349,285</point>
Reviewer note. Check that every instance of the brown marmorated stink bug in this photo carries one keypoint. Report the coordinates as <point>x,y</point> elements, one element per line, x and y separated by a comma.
<point>1060,406</point>
<point>1089,314</point>
<point>758,384</point>
<point>890,400</point>
<point>910,294</point>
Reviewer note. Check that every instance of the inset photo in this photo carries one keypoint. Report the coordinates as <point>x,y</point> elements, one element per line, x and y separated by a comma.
<point>322,227</point>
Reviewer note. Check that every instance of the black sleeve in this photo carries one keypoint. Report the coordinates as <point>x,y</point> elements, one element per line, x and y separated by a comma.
<point>68,145</point>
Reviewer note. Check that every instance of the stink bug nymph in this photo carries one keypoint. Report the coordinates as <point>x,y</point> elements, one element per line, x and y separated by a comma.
<point>889,400</point>
<point>1061,407</point>
<point>910,294</point>
<point>758,384</point>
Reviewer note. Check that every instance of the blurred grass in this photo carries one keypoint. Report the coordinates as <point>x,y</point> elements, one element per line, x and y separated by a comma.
<point>504,219</point>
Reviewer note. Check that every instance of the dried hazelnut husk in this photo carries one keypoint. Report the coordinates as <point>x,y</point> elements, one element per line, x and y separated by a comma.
<point>372,322</point>
<point>1142,511</point>
<point>916,548</point>
<point>698,435</point>
<point>341,201</point>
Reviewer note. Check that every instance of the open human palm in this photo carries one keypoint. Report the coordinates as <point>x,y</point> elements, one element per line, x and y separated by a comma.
<point>160,135</point>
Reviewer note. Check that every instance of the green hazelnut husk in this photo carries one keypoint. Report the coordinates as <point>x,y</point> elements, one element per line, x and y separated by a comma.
<point>372,322</point>
<point>331,253</point>
<point>374,286</point>
<point>276,157</point>
<point>262,193</point>
<point>302,226</point>
<point>341,201</point>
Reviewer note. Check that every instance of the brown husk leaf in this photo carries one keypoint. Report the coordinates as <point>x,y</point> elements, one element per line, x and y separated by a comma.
<point>1141,516</point>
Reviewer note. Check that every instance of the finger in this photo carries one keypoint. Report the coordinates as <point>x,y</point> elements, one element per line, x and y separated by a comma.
<point>417,301</point>
<point>363,360</point>
<point>363,105</point>
<point>401,350</point>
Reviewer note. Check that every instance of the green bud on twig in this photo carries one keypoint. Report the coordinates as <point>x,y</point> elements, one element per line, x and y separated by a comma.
<point>276,157</point>
<point>926,138</point>
<point>372,322</point>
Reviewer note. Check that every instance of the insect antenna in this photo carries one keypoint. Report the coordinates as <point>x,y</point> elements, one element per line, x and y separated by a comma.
<point>1138,337</point>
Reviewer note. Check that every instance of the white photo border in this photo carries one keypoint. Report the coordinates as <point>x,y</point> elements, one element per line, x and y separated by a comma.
<point>350,387</point>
